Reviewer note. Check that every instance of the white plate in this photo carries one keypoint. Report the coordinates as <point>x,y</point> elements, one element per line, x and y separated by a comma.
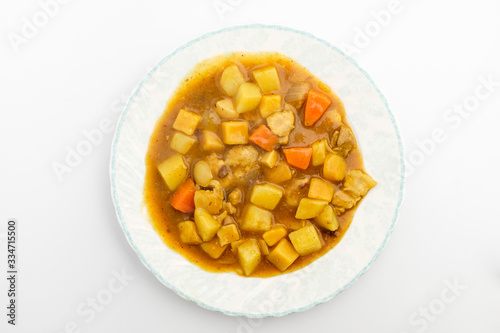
<point>378,137</point>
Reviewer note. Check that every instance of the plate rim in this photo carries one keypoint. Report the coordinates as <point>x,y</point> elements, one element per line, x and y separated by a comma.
<point>126,109</point>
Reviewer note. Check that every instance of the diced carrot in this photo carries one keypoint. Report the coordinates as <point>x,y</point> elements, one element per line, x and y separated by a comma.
<point>264,138</point>
<point>298,157</point>
<point>183,198</point>
<point>316,105</point>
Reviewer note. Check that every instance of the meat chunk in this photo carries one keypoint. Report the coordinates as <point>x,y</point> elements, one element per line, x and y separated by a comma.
<point>295,191</point>
<point>222,171</point>
<point>343,141</point>
<point>282,123</point>
<point>210,200</point>
<point>343,201</point>
<point>357,183</point>
<point>243,156</point>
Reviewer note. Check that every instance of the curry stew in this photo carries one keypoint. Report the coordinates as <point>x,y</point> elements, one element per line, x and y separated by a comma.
<point>253,167</point>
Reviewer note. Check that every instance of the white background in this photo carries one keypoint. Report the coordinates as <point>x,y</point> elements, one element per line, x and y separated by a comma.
<point>77,69</point>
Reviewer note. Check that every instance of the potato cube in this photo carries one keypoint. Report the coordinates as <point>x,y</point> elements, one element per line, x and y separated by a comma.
<point>321,189</point>
<point>247,98</point>
<point>306,240</point>
<point>207,226</point>
<point>188,233</point>
<point>327,219</point>
<point>319,152</point>
<point>234,132</point>
<point>202,173</point>
<point>294,224</point>
<point>256,219</point>
<point>208,200</point>
<point>264,249</point>
<point>267,78</point>
<point>225,109</point>
<point>279,174</point>
<point>335,168</point>
<point>210,141</point>
<point>181,143</point>
<point>174,171</point>
<point>236,244</point>
<point>231,79</point>
<point>309,208</point>
<point>283,255</point>
<point>213,248</point>
<point>249,255</point>
<point>270,158</point>
<point>269,104</point>
<point>266,196</point>
<point>228,234</point>
<point>186,121</point>
<point>274,235</point>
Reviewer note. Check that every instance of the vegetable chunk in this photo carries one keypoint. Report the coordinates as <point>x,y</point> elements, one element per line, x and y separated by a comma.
<point>298,157</point>
<point>306,240</point>
<point>225,109</point>
<point>202,173</point>
<point>319,152</point>
<point>228,234</point>
<point>234,132</point>
<point>181,143</point>
<point>327,219</point>
<point>266,196</point>
<point>269,104</point>
<point>247,98</point>
<point>210,141</point>
<point>321,189</point>
<point>231,79</point>
<point>207,226</point>
<point>335,168</point>
<point>264,138</point>
<point>283,255</point>
<point>256,219</point>
<point>186,121</point>
<point>183,199</point>
<point>270,159</point>
<point>267,78</point>
<point>188,233</point>
<point>274,235</point>
<point>174,171</point>
<point>249,255</point>
<point>316,105</point>
<point>279,174</point>
<point>213,248</point>
<point>309,208</point>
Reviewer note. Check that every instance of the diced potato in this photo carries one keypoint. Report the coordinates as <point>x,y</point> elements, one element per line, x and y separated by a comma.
<point>319,152</point>
<point>269,104</point>
<point>335,168</point>
<point>249,255</point>
<point>225,109</point>
<point>234,132</point>
<point>306,240</point>
<point>228,234</point>
<point>327,219</point>
<point>274,235</point>
<point>256,219</point>
<point>283,255</point>
<point>296,224</point>
<point>267,78</point>
<point>264,249</point>
<point>208,200</point>
<point>309,208</point>
<point>247,98</point>
<point>279,174</point>
<point>231,79</point>
<point>202,173</point>
<point>210,141</point>
<point>321,189</point>
<point>236,244</point>
<point>188,233</point>
<point>270,158</point>
<point>181,143</point>
<point>266,196</point>
<point>205,223</point>
<point>174,171</point>
<point>213,248</point>
<point>186,121</point>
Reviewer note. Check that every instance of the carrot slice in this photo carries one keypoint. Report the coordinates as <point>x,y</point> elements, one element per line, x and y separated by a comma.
<point>298,157</point>
<point>264,138</point>
<point>183,198</point>
<point>316,105</point>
